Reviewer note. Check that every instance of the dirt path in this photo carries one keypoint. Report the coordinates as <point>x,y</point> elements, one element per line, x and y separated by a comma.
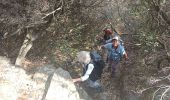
<point>116,86</point>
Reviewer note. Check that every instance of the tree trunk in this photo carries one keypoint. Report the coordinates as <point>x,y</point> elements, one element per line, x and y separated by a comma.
<point>26,46</point>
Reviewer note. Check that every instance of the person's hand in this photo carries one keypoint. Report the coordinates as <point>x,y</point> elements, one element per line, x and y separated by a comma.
<point>98,37</point>
<point>76,80</point>
<point>99,47</point>
<point>126,60</point>
<point>126,57</point>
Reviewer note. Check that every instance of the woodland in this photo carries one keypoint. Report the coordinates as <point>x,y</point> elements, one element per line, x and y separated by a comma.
<point>38,32</point>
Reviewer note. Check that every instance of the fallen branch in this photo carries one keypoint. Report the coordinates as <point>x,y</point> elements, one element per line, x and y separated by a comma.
<point>167,89</point>
<point>16,32</point>
<point>46,15</point>
<point>53,12</point>
<point>155,93</point>
<point>163,94</point>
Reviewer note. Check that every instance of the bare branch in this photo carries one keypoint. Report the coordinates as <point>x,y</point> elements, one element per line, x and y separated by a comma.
<point>162,96</point>
<point>141,91</point>
<point>51,13</point>
<point>167,88</point>
<point>16,32</point>
<point>155,93</point>
<point>36,23</point>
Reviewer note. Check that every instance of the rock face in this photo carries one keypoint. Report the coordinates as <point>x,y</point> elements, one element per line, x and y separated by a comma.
<point>12,80</point>
<point>45,83</point>
<point>61,87</point>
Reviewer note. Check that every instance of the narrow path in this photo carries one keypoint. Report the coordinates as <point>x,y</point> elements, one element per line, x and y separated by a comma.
<point>114,88</point>
<point>125,68</point>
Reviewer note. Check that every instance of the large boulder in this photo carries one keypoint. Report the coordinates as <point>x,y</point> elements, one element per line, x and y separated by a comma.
<point>59,85</point>
<point>42,83</point>
<point>12,80</point>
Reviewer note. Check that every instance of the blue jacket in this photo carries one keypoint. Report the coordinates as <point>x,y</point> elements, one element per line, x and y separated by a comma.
<point>115,54</point>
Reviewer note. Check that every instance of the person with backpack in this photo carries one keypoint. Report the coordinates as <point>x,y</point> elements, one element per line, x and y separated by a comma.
<point>103,38</point>
<point>108,34</point>
<point>115,52</point>
<point>92,69</point>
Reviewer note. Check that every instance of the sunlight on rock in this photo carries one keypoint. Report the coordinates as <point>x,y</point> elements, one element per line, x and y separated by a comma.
<point>45,83</point>
<point>62,87</point>
<point>7,91</point>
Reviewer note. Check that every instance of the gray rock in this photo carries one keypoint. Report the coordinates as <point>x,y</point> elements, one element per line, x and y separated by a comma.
<point>61,86</point>
<point>44,83</point>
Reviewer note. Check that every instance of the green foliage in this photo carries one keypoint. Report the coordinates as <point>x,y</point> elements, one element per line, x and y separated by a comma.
<point>65,48</point>
<point>148,41</point>
<point>147,29</point>
<point>53,60</point>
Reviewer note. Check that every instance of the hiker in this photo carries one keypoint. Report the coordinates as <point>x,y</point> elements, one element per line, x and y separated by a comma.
<point>107,34</point>
<point>103,38</point>
<point>90,71</point>
<point>115,52</point>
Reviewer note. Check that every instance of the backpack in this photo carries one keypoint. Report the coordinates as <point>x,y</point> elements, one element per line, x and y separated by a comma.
<point>98,65</point>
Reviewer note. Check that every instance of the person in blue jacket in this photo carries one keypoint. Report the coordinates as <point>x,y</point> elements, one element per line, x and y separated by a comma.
<point>115,52</point>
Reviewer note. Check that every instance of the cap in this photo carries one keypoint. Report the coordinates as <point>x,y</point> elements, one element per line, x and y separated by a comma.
<point>115,38</point>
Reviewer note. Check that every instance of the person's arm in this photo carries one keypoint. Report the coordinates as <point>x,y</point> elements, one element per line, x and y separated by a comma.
<point>126,56</point>
<point>77,80</point>
<point>106,46</point>
<point>86,75</point>
<point>100,47</point>
<point>88,72</point>
<point>109,41</point>
<point>123,53</point>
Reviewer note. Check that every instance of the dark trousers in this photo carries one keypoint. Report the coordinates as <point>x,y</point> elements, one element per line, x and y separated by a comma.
<point>113,66</point>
